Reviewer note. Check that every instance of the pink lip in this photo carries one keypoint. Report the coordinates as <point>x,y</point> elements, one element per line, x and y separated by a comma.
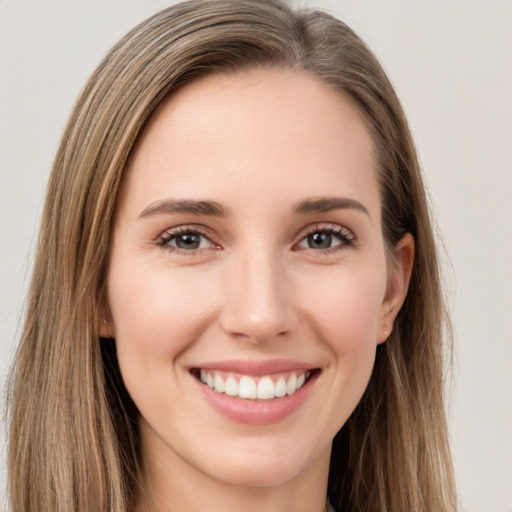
<point>257,368</point>
<point>257,412</point>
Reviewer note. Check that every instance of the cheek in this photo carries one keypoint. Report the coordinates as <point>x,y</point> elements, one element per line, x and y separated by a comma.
<point>156,318</point>
<point>344,312</point>
<point>155,313</point>
<point>345,309</point>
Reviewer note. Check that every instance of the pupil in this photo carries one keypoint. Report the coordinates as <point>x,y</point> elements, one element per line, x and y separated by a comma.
<point>319,240</point>
<point>188,241</point>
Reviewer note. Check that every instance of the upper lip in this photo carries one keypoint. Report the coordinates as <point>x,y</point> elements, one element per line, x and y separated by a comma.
<point>257,368</point>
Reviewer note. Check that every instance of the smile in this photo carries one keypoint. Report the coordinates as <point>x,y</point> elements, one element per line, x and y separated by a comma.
<point>264,387</point>
<point>256,392</point>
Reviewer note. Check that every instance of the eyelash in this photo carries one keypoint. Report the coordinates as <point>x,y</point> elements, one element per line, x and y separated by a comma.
<point>346,237</point>
<point>175,233</point>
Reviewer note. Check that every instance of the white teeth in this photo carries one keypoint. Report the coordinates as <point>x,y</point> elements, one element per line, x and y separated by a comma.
<point>280,387</point>
<point>218,384</point>
<point>247,388</point>
<point>263,388</point>
<point>231,387</point>
<point>291,385</point>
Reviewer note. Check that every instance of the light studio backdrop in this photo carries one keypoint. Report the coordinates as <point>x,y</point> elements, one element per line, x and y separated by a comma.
<point>451,62</point>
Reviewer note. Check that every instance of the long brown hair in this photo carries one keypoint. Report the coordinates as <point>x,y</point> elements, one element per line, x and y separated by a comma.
<point>73,428</point>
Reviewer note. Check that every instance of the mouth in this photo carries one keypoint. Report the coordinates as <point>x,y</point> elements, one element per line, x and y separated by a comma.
<point>256,392</point>
<point>251,387</point>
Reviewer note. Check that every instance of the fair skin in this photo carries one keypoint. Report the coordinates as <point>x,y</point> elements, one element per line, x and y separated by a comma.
<point>250,250</point>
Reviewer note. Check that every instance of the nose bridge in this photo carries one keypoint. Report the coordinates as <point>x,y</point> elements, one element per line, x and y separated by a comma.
<point>258,302</point>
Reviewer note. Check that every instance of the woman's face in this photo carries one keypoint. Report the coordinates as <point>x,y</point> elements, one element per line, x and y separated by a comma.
<point>247,282</point>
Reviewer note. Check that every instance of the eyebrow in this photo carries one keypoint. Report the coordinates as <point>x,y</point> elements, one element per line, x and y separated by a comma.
<point>210,208</point>
<point>214,209</point>
<point>327,204</point>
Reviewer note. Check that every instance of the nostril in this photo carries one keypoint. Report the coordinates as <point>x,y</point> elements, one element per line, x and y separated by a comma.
<point>258,309</point>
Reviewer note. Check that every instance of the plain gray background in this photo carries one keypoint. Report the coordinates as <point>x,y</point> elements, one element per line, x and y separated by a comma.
<point>451,62</point>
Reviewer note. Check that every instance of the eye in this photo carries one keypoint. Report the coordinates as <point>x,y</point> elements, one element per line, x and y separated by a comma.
<point>327,238</point>
<point>185,240</point>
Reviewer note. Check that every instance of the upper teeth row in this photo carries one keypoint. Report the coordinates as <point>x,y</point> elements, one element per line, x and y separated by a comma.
<point>247,387</point>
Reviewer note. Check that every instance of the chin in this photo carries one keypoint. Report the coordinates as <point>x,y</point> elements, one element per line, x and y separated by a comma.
<point>256,473</point>
<point>262,464</point>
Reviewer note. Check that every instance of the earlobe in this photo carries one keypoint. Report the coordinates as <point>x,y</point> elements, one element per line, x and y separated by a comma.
<point>105,327</point>
<point>398,284</point>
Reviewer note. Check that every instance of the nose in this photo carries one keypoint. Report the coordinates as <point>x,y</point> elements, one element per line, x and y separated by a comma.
<point>258,299</point>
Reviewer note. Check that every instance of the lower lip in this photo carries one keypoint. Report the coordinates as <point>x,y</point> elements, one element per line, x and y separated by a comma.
<point>257,412</point>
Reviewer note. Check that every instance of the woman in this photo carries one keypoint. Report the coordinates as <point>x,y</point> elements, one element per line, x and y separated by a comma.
<point>236,300</point>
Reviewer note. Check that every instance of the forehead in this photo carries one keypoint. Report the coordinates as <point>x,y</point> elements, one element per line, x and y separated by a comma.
<point>258,130</point>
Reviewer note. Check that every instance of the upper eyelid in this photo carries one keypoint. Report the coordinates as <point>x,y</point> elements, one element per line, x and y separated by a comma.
<point>346,235</point>
<point>323,226</point>
<point>170,234</point>
<point>186,228</point>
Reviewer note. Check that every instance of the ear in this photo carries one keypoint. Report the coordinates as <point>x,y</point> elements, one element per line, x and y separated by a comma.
<point>398,283</point>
